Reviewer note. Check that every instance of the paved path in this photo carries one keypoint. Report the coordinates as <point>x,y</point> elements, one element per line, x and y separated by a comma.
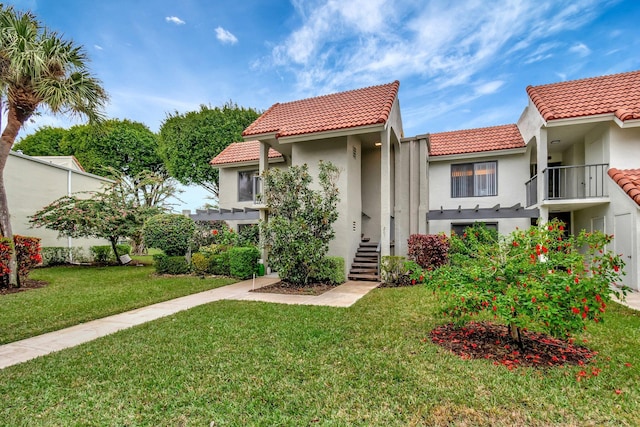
<point>20,351</point>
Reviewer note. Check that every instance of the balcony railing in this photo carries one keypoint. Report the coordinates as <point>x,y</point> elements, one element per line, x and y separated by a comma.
<point>258,193</point>
<point>569,182</point>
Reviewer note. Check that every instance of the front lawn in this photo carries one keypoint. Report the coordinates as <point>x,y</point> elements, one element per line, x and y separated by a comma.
<point>250,363</point>
<point>80,293</point>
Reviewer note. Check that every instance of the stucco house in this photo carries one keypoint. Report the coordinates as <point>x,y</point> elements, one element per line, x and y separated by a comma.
<point>34,182</point>
<point>573,155</point>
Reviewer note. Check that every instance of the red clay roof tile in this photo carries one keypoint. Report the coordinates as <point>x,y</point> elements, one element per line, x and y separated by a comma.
<point>617,94</point>
<point>238,152</point>
<point>628,180</point>
<point>475,140</point>
<point>354,108</point>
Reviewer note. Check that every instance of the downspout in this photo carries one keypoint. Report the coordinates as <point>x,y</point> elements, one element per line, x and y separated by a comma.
<point>69,242</point>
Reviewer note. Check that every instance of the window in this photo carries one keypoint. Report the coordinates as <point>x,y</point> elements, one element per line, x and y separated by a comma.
<point>460,227</point>
<point>246,185</point>
<point>474,179</point>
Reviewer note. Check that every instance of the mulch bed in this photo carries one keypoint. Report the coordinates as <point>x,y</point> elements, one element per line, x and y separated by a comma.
<point>25,285</point>
<point>485,340</point>
<point>291,289</point>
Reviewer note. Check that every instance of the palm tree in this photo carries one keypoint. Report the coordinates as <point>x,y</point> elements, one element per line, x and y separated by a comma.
<point>38,69</point>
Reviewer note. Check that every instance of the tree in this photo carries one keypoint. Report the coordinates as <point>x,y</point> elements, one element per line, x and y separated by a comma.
<point>189,141</point>
<point>39,69</point>
<point>536,278</point>
<point>300,224</point>
<point>112,214</point>
<point>45,141</point>
<point>122,145</point>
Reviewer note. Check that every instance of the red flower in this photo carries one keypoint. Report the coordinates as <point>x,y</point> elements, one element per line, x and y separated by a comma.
<point>616,268</point>
<point>568,289</point>
<point>618,391</point>
<point>413,282</point>
<point>533,299</point>
<point>515,244</point>
<point>561,228</point>
<point>598,298</point>
<point>575,310</point>
<point>214,232</point>
<point>494,308</point>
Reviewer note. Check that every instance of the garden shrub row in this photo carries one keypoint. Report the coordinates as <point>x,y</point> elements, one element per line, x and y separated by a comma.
<point>224,260</point>
<point>103,254</point>
<point>60,255</point>
<point>330,270</point>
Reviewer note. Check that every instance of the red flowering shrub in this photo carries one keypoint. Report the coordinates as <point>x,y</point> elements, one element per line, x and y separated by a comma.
<point>429,250</point>
<point>538,278</point>
<point>27,253</point>
<point>6,249</point>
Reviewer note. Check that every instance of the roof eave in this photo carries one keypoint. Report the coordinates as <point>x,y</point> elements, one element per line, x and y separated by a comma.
<point>580,120</point>
<point>246,163</point>
<point>476,154</point>
<point>378,127</point>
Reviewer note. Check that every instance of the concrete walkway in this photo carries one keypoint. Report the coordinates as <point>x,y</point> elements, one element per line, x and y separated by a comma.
<point>632,300</point>
<point>20,351</point>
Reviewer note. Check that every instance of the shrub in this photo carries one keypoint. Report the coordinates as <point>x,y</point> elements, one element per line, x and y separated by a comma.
<point>27,254</point>
<point>429,250</point>
<point>243,262</point>
<point>249,235</point>
<point>200,263</point>
<point>204,235</point>
<point>55,255</point>
<point>219,264</point>
<point>398,271</point>
<point>537,278</point>
<point>103,254</point>
<point>330,270</point>
<point>6,249</point>
<point>300,224</point>
<point>465,248</point>
<point>165,264</point>
<point>171,233</point>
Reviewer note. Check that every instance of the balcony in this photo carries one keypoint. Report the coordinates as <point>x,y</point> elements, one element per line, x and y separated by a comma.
<point>579,183</point>
<point>258,193</point>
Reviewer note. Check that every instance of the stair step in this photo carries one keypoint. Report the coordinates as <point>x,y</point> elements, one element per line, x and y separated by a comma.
<point>360,264</point>
<point>363,248</point>
<point>364,271</point>
<point>372,277</point>
<point>369,244</point>
<point>370,255</point>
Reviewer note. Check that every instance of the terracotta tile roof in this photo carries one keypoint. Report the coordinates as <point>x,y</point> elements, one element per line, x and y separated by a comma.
<point>628,180</point>
<point>475,140</point>
<point>242,152</point>
<point>354,108</point>
<point>617,93</point>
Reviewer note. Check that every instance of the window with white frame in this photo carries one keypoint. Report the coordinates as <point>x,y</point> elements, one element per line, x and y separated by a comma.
<point>474,179</point>
<point>246,185</point>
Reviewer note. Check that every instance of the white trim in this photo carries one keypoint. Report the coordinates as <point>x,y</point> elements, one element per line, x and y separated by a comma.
<point>379,127</point>
<point>247,163</point>
<point>580,120</point>
<point>477,154</point>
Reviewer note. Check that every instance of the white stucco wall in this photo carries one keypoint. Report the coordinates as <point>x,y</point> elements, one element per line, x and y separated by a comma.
<point>624,147</point>
<point>371,193</point>
<point>32,184</point>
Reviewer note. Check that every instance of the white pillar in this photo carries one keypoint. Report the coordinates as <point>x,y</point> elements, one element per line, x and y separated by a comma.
<point>543,152</point>
<point>424,186</point>
<point>385,193</point>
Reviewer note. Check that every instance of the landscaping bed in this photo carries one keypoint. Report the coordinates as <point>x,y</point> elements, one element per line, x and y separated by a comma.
<point>293,289</point>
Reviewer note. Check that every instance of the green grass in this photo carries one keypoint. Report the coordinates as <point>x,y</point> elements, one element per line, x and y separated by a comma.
<point>79,294</point>
<point>249,363</point>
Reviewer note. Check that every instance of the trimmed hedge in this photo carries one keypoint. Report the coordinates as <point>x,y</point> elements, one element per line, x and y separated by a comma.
<point>104,253</point>
<point>243,262</point>
<point>171,233</point>
<point>165,264</point>
<point>330,270</point>
<point>60,255</point>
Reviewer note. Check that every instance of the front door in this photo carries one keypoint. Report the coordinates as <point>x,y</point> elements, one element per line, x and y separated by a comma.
<point>622,240</point>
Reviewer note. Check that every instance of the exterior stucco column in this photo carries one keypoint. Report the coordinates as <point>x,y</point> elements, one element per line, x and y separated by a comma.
<point>385,193</point>
<point>402,195</point>
<point>263,165</point>
<point>423,168</point>
<point>542,177</point>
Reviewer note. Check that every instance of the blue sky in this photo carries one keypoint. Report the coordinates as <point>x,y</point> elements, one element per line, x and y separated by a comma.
<point>461,64</point>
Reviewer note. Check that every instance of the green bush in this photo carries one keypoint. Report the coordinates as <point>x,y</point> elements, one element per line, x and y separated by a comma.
<point>249,235</point>
<point>398,271</point>
<point>59,255</point>
<point>104,254</point>
<point>200,263</point>
<point>165,264</point>
<point>171,233</point>
<point>243,262</point>
<point>219,264</point>
<point>330,270</point>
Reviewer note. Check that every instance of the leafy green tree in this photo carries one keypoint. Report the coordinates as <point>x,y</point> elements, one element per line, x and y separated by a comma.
<point>38,68</point>
<point>44,142</point>
<point>105,216</point>
<point>122,145</point>
<point>536,278</point>
<point>300,224</point>
<point>189,141</point>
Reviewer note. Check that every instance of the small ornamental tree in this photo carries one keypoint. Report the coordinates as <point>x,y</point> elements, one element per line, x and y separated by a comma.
<point>300,224</point>
<point>538,278</point>
<point>171,233</point>
<point>27,253</point>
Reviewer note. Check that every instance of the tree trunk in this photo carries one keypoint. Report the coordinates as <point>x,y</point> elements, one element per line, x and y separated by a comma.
<point>516,336</point>
<point>6,142</point>
<point>114,242</point>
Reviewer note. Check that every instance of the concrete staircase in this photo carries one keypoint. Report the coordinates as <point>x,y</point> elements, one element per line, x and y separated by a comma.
<point>366,264</point>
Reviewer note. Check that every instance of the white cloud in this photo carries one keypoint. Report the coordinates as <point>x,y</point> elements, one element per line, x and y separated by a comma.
<point>174,20</point>
<point>225,36</point>
<point>343,44</point>
<point>581,49</point>
<point>488,88</point>
<point>97,47</point>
